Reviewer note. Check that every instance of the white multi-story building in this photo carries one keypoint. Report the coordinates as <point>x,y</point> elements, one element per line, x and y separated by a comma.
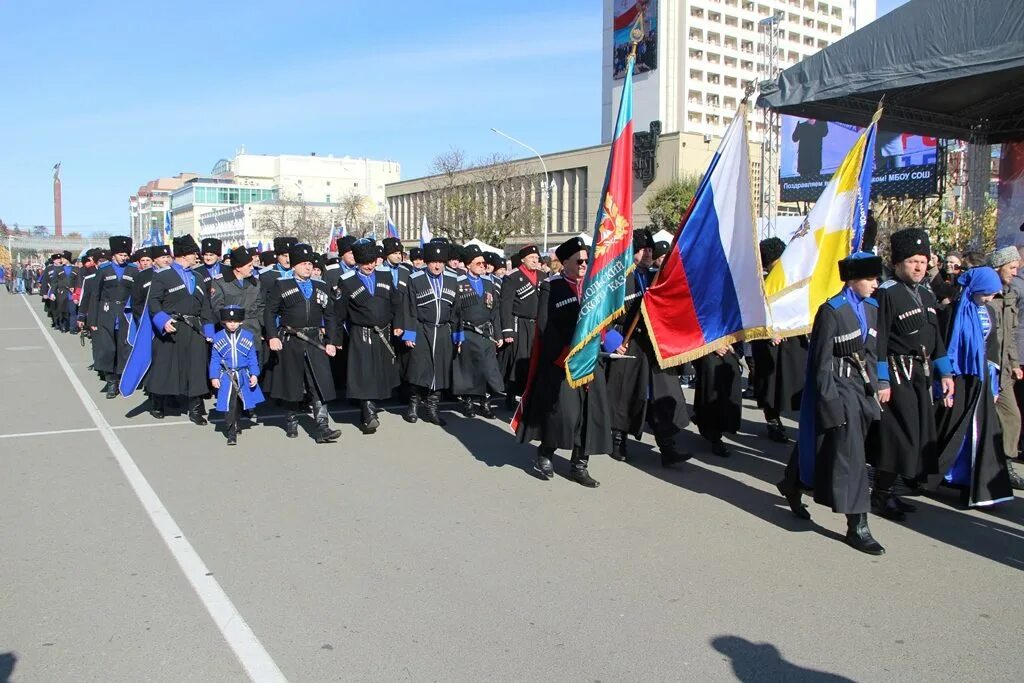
<point>708,50</point>
<point>247,179</point>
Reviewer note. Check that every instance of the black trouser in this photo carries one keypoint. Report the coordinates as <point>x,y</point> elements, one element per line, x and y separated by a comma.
<point>233,412</point>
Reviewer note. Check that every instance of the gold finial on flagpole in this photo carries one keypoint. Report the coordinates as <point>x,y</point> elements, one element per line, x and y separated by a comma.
<point>636,34</point>
<point>878,112</point>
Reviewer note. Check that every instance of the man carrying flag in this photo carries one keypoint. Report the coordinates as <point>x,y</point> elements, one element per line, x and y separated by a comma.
<point>585,298</point>
<point>708,294</point>
<point>552,411</point>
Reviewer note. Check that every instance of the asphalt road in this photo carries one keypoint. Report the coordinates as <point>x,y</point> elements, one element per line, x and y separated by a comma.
<point>135,550</point>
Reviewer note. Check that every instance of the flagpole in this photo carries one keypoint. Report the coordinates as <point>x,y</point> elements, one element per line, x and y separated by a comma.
<point>686,216</point>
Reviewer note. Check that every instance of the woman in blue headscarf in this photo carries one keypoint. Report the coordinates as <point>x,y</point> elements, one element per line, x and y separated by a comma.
<point>971,454</point>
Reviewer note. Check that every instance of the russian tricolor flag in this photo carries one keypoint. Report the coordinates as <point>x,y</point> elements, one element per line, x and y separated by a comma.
<point>709,292</point>
<point>392,228</point>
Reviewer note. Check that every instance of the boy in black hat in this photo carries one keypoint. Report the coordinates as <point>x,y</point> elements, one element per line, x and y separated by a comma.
<point>839,404</point>
<point>234,369</point>
<point>301,330</point>
<point>369,303</point>
<point>911,352</point>
<point>430,332</point>
<point>552,412</point>
<point>106,319</point>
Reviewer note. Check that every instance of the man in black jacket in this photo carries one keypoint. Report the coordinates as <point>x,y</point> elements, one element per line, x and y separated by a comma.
<point>302,332</point>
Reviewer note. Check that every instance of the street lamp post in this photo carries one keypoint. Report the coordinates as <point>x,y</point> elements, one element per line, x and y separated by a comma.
<point>546,197</point>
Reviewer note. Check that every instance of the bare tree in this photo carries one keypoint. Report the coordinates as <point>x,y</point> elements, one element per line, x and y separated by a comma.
<point>353,211</point>
<point>293,217</point>
<point>491,200</point>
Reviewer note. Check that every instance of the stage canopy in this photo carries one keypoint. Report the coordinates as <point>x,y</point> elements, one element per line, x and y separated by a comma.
<point>947,68</point>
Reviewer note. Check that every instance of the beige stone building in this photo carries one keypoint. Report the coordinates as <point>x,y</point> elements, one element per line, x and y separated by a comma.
<point>577,177</point>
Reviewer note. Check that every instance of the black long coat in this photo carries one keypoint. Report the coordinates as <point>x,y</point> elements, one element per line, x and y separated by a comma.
<point>85,280</point>
<point>838,407</point>
<point>106,312</point>
<point>904,440</point>
<point>554,413</point>
<point>372,367</point>
<point>268,361</point>
<point>475,370</point>
<point>300,361</point>
<point>180,360</point>
<point>63,282</point>
<point>431,321</point>
<point>779,372</point>
<point>643,391</point>
<point>140,290</point>
<point>519,301</point>
<point>718,401</point>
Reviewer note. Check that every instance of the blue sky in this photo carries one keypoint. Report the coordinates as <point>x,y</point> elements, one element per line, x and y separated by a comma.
<point>122,92</point>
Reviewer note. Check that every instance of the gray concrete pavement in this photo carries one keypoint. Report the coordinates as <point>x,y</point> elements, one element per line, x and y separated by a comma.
<point>429,554</point>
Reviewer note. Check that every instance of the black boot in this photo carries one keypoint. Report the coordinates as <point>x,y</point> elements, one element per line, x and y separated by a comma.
<point>720,449</point>
<point>323,433</point>
<point>669,455</point>
<point>195,412</point>
<point>510,400</point>
<point>112,386</point>
<point>370,420</point>
<point>485,408</point>
<point>777,432</point>
<point>619,452</point>
<point>156,407</point>
<point>792,497</point>
<point>232,434</point>
<point>432,415</point>
<point>858,535</point>
<point>291,424</point>
<point>108,384</point>
<point>543,464</point>
<point>1016,481</point>
<point>412,410</point>
<point>579,473</point>
<point>884,505</point>
<point>468,409</point>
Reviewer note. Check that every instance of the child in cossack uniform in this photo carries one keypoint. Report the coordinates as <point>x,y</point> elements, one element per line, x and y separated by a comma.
<point>234,369</point>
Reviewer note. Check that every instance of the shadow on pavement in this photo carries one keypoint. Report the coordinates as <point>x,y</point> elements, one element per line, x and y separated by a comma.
<point>764,662</point>
<point>986,535</point>
<point>7,662</point>
<point>492,441</point>
<point>764,505</point>
<point>981,535</point>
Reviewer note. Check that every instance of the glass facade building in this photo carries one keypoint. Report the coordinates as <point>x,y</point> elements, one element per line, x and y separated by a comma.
<point>219,195</point>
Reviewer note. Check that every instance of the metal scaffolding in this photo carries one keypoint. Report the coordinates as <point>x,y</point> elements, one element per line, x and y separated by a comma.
<point>771,33</point>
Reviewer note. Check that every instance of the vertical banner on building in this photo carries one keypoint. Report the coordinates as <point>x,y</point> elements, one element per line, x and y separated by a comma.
<point>611,253</point>
<point>1010,228</point>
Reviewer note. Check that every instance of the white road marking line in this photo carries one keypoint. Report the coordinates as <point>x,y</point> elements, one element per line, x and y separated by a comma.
<point>153,424</point>
<point>240,638</point>
<point>50,433</point>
